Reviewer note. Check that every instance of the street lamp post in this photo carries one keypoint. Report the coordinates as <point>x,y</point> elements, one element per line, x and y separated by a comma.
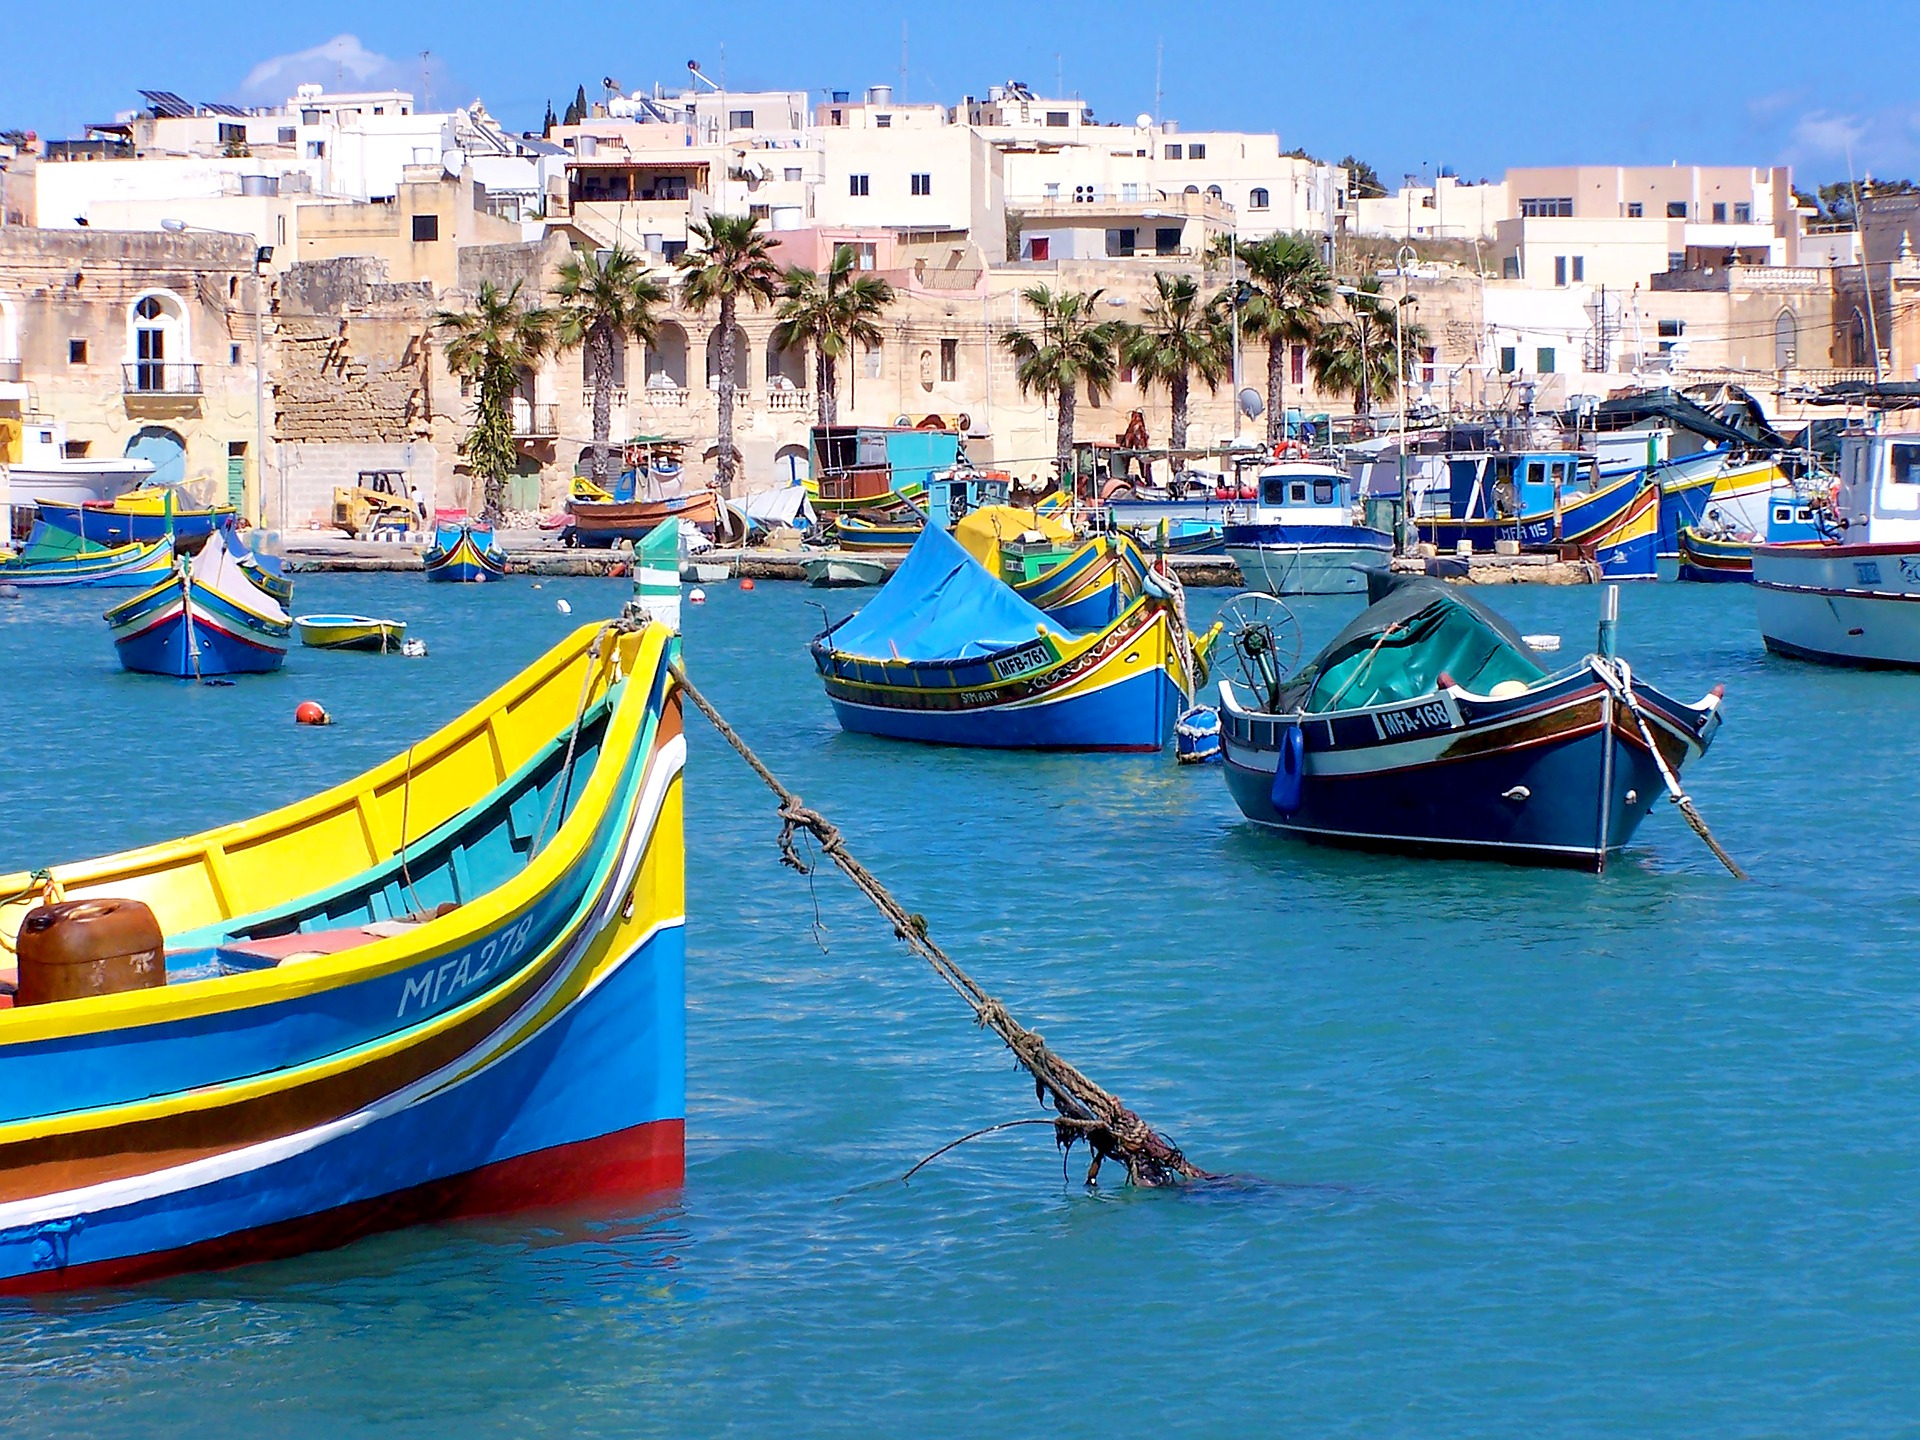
<point>262,256</point>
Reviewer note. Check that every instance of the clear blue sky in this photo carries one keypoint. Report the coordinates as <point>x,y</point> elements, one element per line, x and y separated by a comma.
<point>1476,86</point>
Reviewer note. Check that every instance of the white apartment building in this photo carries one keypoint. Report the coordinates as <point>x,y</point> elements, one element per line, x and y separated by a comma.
<point>1447,209</point>
<point>1056,154</point>
<point>221,168</point>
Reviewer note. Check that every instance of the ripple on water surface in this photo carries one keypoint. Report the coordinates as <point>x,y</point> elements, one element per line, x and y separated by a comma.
<point>1526,1152</point>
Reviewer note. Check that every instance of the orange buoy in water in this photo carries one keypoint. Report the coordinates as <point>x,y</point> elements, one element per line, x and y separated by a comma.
<point>746,584</point>
<point>310,712</point>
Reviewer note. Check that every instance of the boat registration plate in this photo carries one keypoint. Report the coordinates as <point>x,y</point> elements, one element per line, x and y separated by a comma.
<point>1431,717</point>
<point>1024,661</point>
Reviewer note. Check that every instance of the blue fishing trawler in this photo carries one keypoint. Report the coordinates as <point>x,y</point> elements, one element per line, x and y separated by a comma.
<point>56,559</point>
<point>1544,501</point>
<point>1299,536</point>
<point>1427,724</point>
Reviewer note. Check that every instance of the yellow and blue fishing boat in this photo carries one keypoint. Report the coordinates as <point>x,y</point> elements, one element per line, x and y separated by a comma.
<point>866,532</point>
<point>464,552</point>
<point>350,632</point>
<point>150,513</point>
<point>52,558</point>
<point>948,654</point>
<point>209,617</point>
<point>1082,585</point>
<point>451,986</point>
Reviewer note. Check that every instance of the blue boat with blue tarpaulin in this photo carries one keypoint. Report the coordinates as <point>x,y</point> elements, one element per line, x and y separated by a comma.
<point>947,654</point>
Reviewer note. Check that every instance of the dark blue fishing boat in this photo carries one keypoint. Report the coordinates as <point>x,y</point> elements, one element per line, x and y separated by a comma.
<point>211,616</point>
<point>1429,725</point>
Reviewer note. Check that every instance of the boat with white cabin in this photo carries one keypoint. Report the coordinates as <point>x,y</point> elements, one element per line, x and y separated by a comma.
<point>1855,601</point>
<point>1299,536</point>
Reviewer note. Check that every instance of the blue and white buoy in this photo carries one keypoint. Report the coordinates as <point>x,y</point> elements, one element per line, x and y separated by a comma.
<point>1196,736</point>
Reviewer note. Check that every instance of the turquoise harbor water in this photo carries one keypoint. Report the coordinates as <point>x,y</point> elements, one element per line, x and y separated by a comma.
<point>1526,1152</point>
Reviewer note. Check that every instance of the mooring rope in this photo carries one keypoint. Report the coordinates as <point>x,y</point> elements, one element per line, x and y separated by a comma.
<point>1618,678</point>
<point>1085,1110</point>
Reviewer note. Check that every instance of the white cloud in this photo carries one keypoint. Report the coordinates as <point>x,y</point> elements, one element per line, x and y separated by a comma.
<point>343,63</point>
<point>1819,133</point>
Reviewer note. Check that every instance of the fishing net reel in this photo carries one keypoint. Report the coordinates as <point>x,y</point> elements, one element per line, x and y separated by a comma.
<point>1265,638</point>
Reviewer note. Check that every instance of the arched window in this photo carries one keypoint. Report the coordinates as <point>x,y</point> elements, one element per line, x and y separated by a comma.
<point>1257,199</point>
<point>1216,192</point>
<point>1786,341</point>
<point>158,350</point>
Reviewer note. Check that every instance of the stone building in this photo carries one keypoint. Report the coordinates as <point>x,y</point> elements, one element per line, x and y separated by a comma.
<point>144,344</point>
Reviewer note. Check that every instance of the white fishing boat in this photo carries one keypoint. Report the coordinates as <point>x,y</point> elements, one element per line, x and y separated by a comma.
<point>46,472</point>
<point>838,572</point>
<point>1300,537</point>
<point>1855,601</point>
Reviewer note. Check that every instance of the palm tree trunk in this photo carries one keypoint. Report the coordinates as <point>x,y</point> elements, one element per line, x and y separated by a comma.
<point>600,346</point>
<point>724,469</point>
<point>822,400</point>
<point>829,390</point>
<point>1180,386</point>
<point>1276,389</point>
<point>1063,442</point>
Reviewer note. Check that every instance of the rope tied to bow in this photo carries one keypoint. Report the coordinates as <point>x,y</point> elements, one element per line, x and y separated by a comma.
<point>1083,1110</point>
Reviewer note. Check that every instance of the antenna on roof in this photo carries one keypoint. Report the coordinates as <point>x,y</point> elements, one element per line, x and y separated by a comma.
<point>426,88</point>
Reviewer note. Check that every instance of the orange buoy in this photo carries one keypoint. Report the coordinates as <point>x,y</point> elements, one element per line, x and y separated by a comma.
<point>746,584</point>
<point>310,712</point>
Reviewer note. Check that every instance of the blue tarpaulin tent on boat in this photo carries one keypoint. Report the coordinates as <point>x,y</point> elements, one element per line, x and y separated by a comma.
<point>941,604</point>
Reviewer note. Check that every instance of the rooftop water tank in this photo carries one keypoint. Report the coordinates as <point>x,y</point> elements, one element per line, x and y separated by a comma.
<point>260,185</point>
<point>880,95</point>
<point>586,146</point>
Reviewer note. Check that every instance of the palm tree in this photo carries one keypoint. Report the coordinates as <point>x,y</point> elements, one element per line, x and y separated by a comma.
<point>1072,348</point>
<point>1289,289</point>
<point>489,346</point>
<point>603,297</point>
<point>1360,355</point>
<point>1182,338</point>
<point>832,313</point>
<point>734,261</point>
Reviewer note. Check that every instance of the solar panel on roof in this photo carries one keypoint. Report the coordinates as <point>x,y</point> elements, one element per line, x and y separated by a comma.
<point>166,103</point>
<point>215,108</point>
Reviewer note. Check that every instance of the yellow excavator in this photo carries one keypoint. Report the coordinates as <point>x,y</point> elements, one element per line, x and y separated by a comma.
<point>377,500</point>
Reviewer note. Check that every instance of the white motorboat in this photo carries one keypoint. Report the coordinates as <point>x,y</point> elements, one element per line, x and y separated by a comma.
<point>1301,539</point>
<point>45,471</point>
<point>843,571</point>
<point>1854,601</point>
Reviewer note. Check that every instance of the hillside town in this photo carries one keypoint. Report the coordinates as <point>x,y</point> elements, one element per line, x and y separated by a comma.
<point>254,300</point>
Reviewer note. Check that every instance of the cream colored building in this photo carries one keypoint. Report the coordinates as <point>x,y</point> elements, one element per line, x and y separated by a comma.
<point>142,344</point>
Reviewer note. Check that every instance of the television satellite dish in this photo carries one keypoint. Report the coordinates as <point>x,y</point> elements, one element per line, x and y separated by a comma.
<point>453,161</point>
<point>1145,122</point>
<point>1251,404</point>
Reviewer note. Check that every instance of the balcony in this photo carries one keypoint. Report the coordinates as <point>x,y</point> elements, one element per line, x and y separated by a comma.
<point>534,420</point>
<point>160,378</point>
<point>789,400</point>
<point>1743,277</point>
<point>663,397</point>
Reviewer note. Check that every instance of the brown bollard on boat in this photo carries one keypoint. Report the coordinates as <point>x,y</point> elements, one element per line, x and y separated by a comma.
<point>78,948</point>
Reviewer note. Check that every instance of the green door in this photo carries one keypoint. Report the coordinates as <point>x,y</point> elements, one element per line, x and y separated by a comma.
<point>237,481</point>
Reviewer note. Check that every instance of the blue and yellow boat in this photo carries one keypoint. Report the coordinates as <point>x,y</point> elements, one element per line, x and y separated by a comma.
<point>451,986</point>
<point>464,552</point>
<point>209,617</point>
<point>1542,500</point>
<point>153,512</point>
<point>350,632</point>
<point>948,654</point>
<point>54,558</point>
<point>1080,584</point>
